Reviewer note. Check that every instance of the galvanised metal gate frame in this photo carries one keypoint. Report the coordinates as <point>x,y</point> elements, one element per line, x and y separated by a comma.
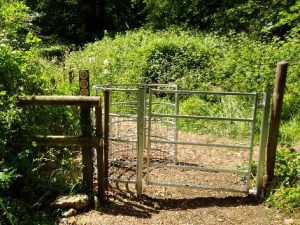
<point>144,118</point>
<point>263,140</point>
<point>140,118</point>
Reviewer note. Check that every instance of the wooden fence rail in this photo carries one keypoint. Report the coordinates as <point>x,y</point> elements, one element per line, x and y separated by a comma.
<point>59,100</point>
<point>86,141</point>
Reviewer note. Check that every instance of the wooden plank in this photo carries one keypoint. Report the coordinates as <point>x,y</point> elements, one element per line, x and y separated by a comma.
<point>58,100</point>
<point>281,72</point>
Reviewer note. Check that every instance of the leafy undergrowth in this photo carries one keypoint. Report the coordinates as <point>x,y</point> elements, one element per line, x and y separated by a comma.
<point>19,213</point>
<point>193,60</point>
<point>285,188</point>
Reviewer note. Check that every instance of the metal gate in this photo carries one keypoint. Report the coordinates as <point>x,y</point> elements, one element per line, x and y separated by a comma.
<point>128,128</point>
<point>145,143</point>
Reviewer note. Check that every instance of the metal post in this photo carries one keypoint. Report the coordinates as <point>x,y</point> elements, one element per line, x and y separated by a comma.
<point>106,135</point>
<point>149,136</point>
<point>100,155</point>
<point>140,139</point>
<point>263,144</point>
<point>145,115</point>
<point>251,141</point>
<point>110,119</point>
<point>176,127</point>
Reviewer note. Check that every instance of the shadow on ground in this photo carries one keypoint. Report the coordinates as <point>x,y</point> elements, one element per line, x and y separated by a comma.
<point>124,202</point>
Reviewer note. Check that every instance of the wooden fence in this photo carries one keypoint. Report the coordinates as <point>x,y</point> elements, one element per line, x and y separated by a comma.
<point>86,141</point>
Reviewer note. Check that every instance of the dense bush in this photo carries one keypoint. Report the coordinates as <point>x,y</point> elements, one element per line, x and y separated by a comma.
<point>285,188</point>
<point>193,60</point>
<point>255,17</point>
<point>24,172</point>
<point>75,21</point>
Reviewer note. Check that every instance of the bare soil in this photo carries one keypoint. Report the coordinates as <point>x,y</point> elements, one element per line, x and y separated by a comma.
<point>169,205</point>
<point>184,207</point>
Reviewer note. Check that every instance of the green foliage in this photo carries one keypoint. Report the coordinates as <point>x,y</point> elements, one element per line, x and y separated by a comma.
<point>5,213</point>
<point>288,22</point>
<point>78,22</point>
<point>22,214</point>
<point>187,58</point>
<point>28,172</point>
<point>124,15</point>
<point>6,178</point>
<point>218,106</point>
<point>71,21</point>
<point>14,23</point>
<point>251,16</point>
<point>193,60</point>
<point>285,189</point>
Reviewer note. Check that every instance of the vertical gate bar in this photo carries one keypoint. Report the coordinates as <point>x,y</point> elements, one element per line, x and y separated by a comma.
<point>145,115</point>
<point>176,126</point>
<point>251,141</point>
<point>100,158</point>
<point>110,121</point>
<point>263,144</point>
<point>140,139</point>
<point>149,136</point>
<point>106,135</point>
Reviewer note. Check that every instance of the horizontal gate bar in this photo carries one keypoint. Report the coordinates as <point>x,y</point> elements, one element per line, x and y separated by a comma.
<point>160,85</point>
<point>162,121</point>
<point>194,186</point>
<point>123,140</point>
<point>122,115</point>
<point>204,92</point>
<point>163,103</point>
<point>122,181</point>
<point>215,170</point>
<point>200,144</point>
<point>122,121</point>
<point>124,103</point>
<point>118,90</point>
<point>122,162</point>
<point>202,117</point>
<point>101,86</point>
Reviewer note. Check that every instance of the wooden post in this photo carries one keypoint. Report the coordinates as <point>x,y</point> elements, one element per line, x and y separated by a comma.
<point>106,135</point>
<point>86,131</point>
<point>100,155</point>
<point>87,155</point>
<point>281,72</point>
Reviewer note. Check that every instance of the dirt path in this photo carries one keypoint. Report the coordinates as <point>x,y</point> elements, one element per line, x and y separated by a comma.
<point>200,207</point>
<point>168,205</point>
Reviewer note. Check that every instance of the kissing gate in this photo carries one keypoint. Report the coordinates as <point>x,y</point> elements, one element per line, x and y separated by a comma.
<point>154,140</point>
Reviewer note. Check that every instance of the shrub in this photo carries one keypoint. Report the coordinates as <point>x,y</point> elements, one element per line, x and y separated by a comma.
<point>191,59</point>
<point>285,188</point>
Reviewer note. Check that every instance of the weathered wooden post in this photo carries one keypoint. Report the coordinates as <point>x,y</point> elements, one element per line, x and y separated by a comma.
<point>86,131</point>
<point>281,72</point>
